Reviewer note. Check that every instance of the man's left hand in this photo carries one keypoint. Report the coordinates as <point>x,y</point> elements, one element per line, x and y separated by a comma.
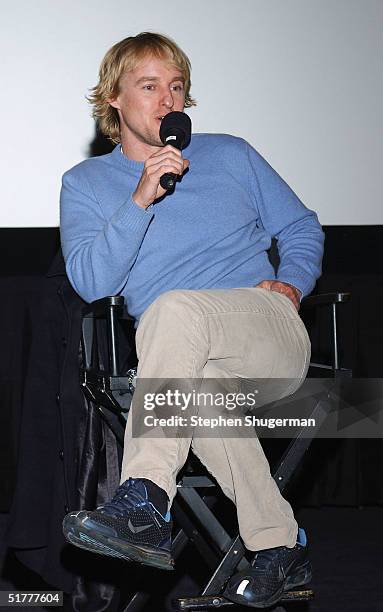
<point>285,288</point>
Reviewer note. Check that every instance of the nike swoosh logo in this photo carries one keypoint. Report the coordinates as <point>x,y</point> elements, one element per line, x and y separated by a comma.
<point>139,528</point>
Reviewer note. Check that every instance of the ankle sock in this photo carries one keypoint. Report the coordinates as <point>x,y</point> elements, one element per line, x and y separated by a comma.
<point>157,496</point>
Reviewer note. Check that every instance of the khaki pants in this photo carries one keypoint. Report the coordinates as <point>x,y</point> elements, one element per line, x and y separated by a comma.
<point>236,333</point>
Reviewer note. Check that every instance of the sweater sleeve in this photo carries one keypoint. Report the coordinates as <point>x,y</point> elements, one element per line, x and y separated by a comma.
<point>283,216</point>
<point>98,253</point>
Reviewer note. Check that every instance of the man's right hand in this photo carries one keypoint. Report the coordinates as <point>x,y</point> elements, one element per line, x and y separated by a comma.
<point>167,159</point>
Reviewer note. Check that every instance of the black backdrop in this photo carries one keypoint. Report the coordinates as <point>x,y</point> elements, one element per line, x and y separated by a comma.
<point>350,473</point>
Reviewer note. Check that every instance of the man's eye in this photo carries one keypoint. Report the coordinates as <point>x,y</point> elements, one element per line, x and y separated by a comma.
<point>149,87</point>
<point>178,87</point>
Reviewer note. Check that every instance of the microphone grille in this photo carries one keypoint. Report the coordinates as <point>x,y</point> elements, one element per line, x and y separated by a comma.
<point>172,124</point>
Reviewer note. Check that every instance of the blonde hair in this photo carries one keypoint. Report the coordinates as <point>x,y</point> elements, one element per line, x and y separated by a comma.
<point>124,56</point>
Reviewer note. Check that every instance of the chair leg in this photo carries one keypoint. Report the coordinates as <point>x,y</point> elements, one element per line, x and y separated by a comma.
<point>233,558</point>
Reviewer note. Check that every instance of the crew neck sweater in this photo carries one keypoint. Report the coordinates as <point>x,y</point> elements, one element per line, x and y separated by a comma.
<point>212,231</point>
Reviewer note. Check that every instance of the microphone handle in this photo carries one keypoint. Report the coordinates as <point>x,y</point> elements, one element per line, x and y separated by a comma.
<point>168,180</point>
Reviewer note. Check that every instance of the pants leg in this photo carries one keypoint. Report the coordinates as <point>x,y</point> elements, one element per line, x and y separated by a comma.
<point>246,333</point>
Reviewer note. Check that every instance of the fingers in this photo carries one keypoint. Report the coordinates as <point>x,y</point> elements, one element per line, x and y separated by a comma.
<point>285,288</point>
<point>266,284</point>
<point>166,160</point>
<point>165,165</point>
<point>289,291</point>
<point>168,156</point>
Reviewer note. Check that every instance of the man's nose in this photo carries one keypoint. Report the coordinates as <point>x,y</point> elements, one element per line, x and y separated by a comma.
<point>167,99</point>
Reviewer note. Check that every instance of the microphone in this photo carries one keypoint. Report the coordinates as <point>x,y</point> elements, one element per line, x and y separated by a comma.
<point>175,130</point>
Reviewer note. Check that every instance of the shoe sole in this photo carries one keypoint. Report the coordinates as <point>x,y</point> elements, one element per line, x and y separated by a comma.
<point>90,540</point>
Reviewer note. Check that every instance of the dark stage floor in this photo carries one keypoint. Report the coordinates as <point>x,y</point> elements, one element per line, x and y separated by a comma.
<point>346,550</point>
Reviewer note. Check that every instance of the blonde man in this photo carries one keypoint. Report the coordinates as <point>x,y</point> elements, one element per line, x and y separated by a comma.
<point>193,267</point>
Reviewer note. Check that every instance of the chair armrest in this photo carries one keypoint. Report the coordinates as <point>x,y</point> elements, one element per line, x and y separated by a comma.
<point>100,307</point>
<point>326,298</point>
<point>112,309</point>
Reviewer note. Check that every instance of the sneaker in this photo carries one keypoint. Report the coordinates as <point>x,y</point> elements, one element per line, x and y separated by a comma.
<point>272,572</point>
<point>129,527</point>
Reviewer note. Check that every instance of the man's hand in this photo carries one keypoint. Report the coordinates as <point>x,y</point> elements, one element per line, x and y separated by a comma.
<point>285,288</point>
<point>168,159</point>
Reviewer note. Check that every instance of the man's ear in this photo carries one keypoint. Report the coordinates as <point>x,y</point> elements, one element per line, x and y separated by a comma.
<point>114,102</point>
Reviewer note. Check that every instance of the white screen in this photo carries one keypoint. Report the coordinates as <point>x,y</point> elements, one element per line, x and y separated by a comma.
<point>299,79</point>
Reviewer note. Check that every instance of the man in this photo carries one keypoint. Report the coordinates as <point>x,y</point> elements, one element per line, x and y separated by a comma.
<point>193,267</point>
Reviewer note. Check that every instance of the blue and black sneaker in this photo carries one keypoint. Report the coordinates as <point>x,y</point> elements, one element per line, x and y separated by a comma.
<point>129,527</point>
<point>273,571</point>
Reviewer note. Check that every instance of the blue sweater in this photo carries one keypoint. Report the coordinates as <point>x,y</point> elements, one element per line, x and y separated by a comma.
<point>212,232</point>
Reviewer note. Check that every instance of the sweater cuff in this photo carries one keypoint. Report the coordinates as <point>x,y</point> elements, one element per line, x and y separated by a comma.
<point>303,282</point>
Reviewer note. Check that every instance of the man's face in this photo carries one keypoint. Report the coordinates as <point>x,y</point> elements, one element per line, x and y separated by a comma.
<point>147,93</point>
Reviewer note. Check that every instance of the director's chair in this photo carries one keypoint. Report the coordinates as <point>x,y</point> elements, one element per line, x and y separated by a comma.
<point>108,382</point>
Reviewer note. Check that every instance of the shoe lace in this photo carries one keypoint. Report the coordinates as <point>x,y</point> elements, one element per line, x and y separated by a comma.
<point>127,496</point>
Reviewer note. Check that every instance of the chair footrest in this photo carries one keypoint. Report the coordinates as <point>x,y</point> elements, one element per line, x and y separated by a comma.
<point>207,602</point>
<point>204,602</point>
<point>298,595</point>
